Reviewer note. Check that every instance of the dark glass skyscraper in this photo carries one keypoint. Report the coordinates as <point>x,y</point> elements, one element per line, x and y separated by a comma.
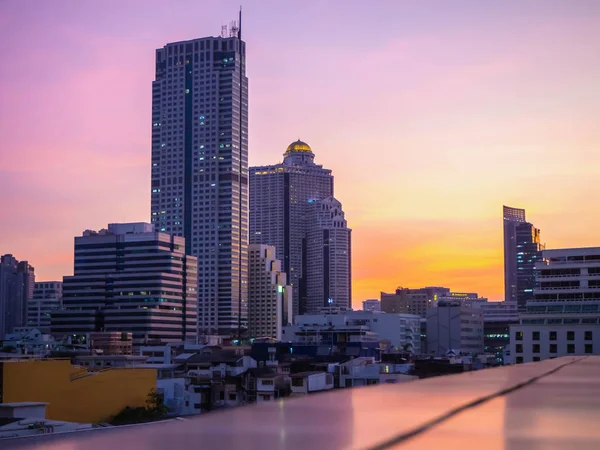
<point>512,218</point>
<point>529,250</point>
<point>200,168</point>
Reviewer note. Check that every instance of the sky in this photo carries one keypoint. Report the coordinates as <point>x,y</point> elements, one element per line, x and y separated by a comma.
<point>431,114</point>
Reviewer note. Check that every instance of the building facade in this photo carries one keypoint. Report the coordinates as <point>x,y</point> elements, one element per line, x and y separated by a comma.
<point>279,210</point>
<point>372,305</point>
<point>402,331</point>
<point>328,257</point>
<point>269,295</point>
<point>130,278</point>
<point>497,320</point>
<point>454,326</point>
<point>200,169</point>
<point>47,297</point>
<point>564,316</point>
<point>412,301</point>
<point>512,218</point>
<point>17,279</point>
<point>529,248</point>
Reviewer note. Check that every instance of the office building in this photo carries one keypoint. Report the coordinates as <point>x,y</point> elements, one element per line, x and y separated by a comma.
<point>16,289</point>
<point>454,326</point>
<point>47,297</point>
<point>529,250</point>
<point>402,331</point>
<point>412,301</point>
<point>280,197</point>
<point>200,168</point>
<point>564,316</point>
<point>497,319</point>
<point>269,296</point>
<point>328,257</point>
<point>130,278</point>
<point>512,218</point>
<point>372,305</point>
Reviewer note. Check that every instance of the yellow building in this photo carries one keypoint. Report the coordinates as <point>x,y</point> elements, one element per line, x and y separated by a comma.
<point>73,393</point>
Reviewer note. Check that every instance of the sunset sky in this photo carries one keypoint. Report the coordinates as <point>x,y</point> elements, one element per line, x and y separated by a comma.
<point>431,114</point>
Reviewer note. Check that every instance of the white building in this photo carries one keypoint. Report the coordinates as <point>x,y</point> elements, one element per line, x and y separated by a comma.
<point>304,383</point>
<point>200,168</point>
<point>47,297</point>
<point>29,419</point>
<point>279,204</point>
<point>269,295</point>
<point>130,278</point>
<point>454,326</point>
<point>564,316</point>
<point>328,256</point>
<point>372,305</point>
<point>403,331</point>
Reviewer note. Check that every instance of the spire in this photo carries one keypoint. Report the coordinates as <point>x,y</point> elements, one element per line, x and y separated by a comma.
<point>240,25</point>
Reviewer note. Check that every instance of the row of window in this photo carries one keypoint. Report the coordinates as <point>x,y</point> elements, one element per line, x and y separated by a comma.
<point>553,348</point>
<point>552,335</point>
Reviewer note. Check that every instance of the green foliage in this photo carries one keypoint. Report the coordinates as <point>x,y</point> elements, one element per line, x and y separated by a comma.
<point>155,410</point>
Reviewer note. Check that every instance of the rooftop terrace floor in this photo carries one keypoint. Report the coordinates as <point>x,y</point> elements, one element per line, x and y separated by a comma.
<point>553,404</point>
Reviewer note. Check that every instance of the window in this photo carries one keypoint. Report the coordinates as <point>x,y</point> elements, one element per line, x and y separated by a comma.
<point>232,397</point>
<point>553,348</point>
<point>587,336</point>
<point>535,335</point>
<point>536,358</point>
<point>570,335</point>
<point>519,335</point>
<point>267,382</point>
<point>570,348</point>
<point>222,395</point>
<point>519,348</point>
<point>553,335</point>
<point>589,348</point>
<point>297,381</point>
<point>196,405</point>
<point>519,360</point>
<point>536,348</point>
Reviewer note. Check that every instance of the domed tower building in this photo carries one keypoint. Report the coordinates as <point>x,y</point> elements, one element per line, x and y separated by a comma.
<point>280,203</point>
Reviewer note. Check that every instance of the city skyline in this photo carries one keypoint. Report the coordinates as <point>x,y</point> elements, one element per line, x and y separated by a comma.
<point>494,104</point>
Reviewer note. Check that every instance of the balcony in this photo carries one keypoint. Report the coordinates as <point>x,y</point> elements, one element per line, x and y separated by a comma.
<point>548,404</point>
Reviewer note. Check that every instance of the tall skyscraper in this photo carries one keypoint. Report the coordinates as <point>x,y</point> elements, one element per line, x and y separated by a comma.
<point>200,168</point>
<point>512,218</point>
<point>47,297</point>
<point>16,289</point>
<point>269,296</point>
<point>529,250</point>
<point>129,278</point>
<point>279,207</point>
<point>328,257</point>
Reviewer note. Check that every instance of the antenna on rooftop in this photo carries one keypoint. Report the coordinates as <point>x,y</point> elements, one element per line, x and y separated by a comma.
<point>223,31</point>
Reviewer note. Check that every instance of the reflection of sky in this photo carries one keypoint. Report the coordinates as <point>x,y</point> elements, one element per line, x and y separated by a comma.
<point>431,115</point>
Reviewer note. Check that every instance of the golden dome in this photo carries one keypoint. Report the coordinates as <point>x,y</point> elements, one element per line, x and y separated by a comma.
<point>299,146</point>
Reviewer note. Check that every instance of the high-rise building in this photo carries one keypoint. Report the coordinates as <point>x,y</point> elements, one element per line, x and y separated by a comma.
<point>47,297</point>
<point>563,318</point>
<point>372,305</point>
<point>512,217</point>
<point>130,278</point>
<point>200,168</point>
<point>16,289</point>
<point>529,250</point>
<point>328,257</point>
<point>269,296</point>
<point>279,207</point>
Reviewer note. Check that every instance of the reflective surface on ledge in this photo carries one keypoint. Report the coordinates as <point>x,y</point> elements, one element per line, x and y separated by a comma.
<point>553,404</point>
